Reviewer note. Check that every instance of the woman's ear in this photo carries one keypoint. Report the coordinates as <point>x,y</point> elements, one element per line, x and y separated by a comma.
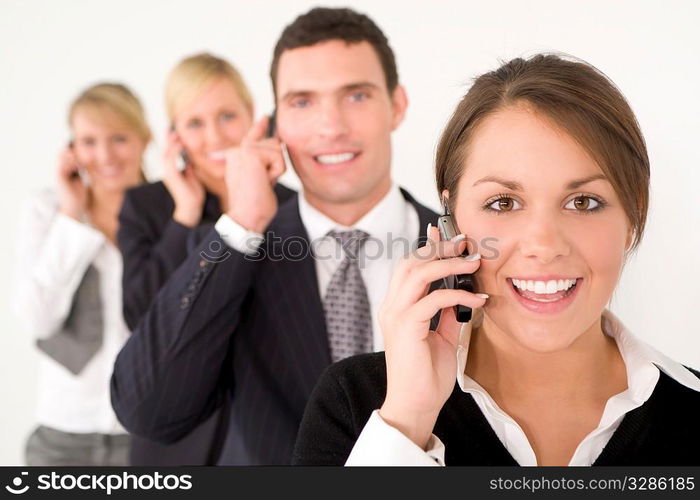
<point>445,195</point>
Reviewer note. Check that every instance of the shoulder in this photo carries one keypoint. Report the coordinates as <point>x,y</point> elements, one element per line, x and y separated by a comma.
<point>152,193</point>
<point>42,204</point>
<point>359,380</point>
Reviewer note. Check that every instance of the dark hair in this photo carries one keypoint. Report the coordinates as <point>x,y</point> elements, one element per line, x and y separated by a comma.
<point>578,98</point>
<point>322,24</point>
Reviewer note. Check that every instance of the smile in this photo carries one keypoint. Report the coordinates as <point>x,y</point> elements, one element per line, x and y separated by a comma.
<point>335,159</point>
<point>545,296</point>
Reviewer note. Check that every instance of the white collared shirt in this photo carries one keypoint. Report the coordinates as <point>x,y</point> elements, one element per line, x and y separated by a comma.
<point>381,444</point>
<point>53,254</point>
<point>392,225</point>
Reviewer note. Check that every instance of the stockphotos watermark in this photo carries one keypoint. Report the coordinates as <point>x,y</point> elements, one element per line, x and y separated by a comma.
<point>106,483</point>
<point>297,248</point>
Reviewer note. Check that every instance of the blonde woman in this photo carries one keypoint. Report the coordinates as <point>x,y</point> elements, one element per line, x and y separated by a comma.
<point>210,110</point>
<point>69,280</point>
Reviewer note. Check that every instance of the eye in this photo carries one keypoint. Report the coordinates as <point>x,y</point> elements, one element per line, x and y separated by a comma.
<point>502,203</point>
<point>87,141</point>
<point>120,139</point>
<point>227,116</point>
<point>194,123</point>
<point>300,102</point>
<point>585,204</point>
<point>359,96</point>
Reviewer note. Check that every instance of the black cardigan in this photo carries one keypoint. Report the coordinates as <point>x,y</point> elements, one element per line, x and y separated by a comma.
<point>663,431</point>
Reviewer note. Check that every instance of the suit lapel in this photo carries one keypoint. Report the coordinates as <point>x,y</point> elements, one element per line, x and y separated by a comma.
<point>296,288</point>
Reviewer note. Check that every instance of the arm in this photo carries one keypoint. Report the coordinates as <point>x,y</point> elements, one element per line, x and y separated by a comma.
<point>174,370</point>
<point>53,253</point>
<point>149,259</point>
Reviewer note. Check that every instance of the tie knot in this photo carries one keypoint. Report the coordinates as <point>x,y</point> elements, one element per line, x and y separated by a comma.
<point>351,241</point>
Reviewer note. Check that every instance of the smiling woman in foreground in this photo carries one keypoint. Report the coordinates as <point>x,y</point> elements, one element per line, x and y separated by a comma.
<point>545,156</point>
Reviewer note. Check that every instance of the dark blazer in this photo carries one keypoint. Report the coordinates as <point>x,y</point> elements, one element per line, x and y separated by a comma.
<point>663,431</point>
<point>228,326</point>
<point>153,245</point>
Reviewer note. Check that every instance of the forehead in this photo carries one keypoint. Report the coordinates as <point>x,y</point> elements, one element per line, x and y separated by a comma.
<point>521,144</point>
<point>328,66</point>
<point>98,120</point>
<point>214,94</point>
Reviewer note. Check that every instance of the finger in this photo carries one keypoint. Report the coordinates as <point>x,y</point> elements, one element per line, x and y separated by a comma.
<point>417,282</point>
<point>277,167</point>
<point>435,301</point>
<point>257,131</point>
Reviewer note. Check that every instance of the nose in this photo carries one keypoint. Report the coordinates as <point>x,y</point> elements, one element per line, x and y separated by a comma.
<point>331,121</point>
<point>543,238</point>
<point>214,135</point>
<point>106,153</point>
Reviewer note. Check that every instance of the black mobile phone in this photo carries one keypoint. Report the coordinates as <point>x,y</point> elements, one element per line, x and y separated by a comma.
<point>271,124</point>
<point>79,172</point>
<point>448,230</point>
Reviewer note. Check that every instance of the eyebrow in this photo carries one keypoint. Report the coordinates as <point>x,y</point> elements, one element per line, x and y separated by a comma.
<point>516,186</point>
<point>345,88</point>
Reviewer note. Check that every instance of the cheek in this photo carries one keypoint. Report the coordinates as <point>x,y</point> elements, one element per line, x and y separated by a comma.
<point>191,140</point>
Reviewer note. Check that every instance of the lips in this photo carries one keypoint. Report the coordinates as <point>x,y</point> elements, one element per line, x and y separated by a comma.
<point>335,158</point>
<point>545,303</point>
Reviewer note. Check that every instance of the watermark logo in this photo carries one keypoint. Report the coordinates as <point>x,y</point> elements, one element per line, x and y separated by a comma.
<point>16,488</point>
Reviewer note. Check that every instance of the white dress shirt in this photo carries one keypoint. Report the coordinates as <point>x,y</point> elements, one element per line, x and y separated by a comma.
<point>54,251</point>
<point>393,228</point>
<point>381,444</point>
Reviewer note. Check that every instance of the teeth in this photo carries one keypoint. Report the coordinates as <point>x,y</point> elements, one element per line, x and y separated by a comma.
<point>333,159</point>
<point>544,287</point>
<point>217,155</point>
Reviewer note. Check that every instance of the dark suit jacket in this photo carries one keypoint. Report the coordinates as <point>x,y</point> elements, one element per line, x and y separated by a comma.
<point>228,326</point>
<point>153,245</point>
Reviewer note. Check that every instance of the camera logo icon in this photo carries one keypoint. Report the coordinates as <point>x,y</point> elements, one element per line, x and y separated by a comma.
<point>17,483</point>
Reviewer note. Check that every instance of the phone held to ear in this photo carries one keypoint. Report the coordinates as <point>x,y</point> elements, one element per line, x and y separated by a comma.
<point>271,124</point>
<point>271,131</point>
<point>181,160</point>
<point>448,230</point>
<point>79,172</point>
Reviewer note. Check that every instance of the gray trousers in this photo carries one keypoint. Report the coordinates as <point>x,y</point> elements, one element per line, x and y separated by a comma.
<point>51,447</point>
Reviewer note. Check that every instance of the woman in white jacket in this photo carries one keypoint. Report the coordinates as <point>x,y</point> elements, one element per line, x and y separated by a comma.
<point>69,280</point>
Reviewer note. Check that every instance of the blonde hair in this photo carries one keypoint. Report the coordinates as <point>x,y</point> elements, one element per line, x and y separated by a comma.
<point>114,97</point>
<point>193,74</point>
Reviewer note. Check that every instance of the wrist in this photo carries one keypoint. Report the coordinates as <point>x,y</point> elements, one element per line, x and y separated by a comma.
<point>418,427</point>
<point>256,224</point>
<point>187,217</point>
<point>75,213</point>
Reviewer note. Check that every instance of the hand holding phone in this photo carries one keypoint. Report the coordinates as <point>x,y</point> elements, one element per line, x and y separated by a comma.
<point>252,171</point>
<point>448,230</point>
<point>182,183</point>
<point>72,184</point>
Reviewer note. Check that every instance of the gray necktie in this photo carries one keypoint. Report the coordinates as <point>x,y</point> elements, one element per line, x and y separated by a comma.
<point>348,317</point>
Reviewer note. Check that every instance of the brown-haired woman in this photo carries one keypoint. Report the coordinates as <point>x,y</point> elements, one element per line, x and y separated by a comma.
<point>544,161</point>
<point>69,280</point>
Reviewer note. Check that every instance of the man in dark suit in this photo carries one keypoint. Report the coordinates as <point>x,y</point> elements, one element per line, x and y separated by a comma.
<point>253,318</point>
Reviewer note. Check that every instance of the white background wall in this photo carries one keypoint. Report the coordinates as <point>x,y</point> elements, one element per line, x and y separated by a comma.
<point>50,50</point>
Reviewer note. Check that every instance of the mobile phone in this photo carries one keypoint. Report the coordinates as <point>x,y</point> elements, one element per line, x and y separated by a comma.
<point>271,124</point>
<point>448,230</point>
<point>79,172</point>
<point>182,160</point>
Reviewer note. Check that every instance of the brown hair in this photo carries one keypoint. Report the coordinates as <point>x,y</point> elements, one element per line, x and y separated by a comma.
<point>322,24</point>
<point>193,74</point>
<point>575,96</point>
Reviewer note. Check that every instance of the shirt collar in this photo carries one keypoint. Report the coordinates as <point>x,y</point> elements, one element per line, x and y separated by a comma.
<point>642,361</point>
<point>385,217</point>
